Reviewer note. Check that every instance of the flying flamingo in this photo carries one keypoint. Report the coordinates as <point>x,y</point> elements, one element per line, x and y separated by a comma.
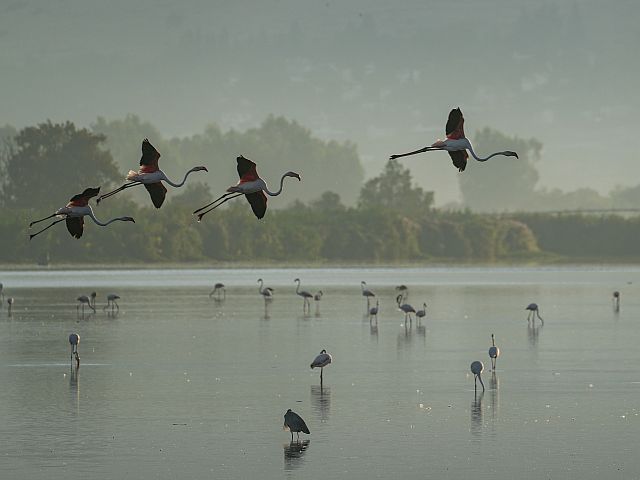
<point>217,288</point>
<point>267,292</point>
<point>533,311</point>
<point>477,368</point>
<point>251,186</point>
<point>111,301</point>
<point>151,176</point>
<point>306,297</point>
<point>456,143</point>
<point>295,423</point>
<point>74,213</point>
<point>368,294</point>
<point>494,353</point>
<point>321,361</point>
<point>74,341</point>
<point>83,299</point>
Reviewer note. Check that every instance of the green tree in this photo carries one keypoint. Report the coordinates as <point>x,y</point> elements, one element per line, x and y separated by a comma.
<point>392,190</point>
<point>52,162</point>
<point>501,183</point>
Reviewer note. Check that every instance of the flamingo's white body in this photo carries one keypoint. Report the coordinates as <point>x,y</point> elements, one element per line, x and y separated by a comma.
<point>322,360</point>
<point>250,185</point>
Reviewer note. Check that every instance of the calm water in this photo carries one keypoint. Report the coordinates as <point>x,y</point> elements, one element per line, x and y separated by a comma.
<point>178,385</point>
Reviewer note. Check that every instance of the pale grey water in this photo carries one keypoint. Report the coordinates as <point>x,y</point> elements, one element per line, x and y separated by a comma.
<point>181,386</point>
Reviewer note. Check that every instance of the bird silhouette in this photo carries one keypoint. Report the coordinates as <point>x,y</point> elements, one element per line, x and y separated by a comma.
<point>251,186</point>
<point>74,212</point>
<point>494,352</point>
<point>295,423</point>
<point>456,143</point>
<point>477,368</point>
<point>322,360</point>
<point>150,175</point>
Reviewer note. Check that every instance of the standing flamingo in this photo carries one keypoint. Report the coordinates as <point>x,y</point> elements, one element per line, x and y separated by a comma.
<point>477,368</point>
<point>456,143</point>
<point>1,291</point>
<point>373,311</point>
<point>266,292</point>
<point>316,298</point>
<point>494,353</point>
<point>404,290</point>
<point>321,361</point>
<point>74,341</point>
<point>10,302</point>
<point>306,297</point>
<point>616,299</point>
<point>217,288</point>
<point>533,311</point>
<point>406,308</point>
<point>74,213</point>
<point>151,176</point>
<point>83,299</point>
<point>93,299</point>
<point>111,301</point>
<point>251,186</point>
<point>420,314</point>
<point>368,294</point>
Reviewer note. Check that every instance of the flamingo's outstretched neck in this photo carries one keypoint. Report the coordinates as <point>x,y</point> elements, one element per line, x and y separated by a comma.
<point>118,219</point>
<point>194,169</point>
<point>481,159</point>
<point>275,194</point>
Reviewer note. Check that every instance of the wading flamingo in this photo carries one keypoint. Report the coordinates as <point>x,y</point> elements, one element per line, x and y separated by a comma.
<point>321,361</point>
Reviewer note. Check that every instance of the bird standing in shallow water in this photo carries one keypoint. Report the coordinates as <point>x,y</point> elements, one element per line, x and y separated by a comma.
<point>373,311</point>
<point>321,361</point>
<point>74,213</point>
<point>616,300</point>
<point>456,143</point>
<point>533,311</point>
<point>74,341</point>
<point>82,300</point>
<point>494,352</point>
<point>251,186</point>
<point>477,368</point>
<point>217,288</point>
<point>420,314</point>
<point>151,176</point>
<point>295,423</point>
<point>406,308</point>
<point>306,297</point>
<point>368,294</point>
<point>111,301</point>
<point>10,301</point>
<point>266,292</point>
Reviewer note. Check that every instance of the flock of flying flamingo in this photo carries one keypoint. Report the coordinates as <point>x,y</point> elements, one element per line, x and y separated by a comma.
<point>255,191</point>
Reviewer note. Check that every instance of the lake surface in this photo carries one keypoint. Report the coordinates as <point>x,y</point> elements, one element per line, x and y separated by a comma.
<point>178,385</point>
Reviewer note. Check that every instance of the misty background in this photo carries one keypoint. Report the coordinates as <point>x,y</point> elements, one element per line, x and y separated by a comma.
<point>381,76</point>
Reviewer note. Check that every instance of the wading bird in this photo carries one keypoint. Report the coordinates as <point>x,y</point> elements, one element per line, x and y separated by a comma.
<point>151,176</point>
<point>322,360</point>
<point>251,186</point>
<point>74,213</point>
<point>266,292</point>
<point>93,299</point>
<point>368,294</point>
<point>477,368</point>
<point>82,300</point>
<point>111,301</point>
<point>616,299</point>
<point>295,423</point>
<point>217,288</point>
<point>1,292</point>
<point>456,143</point>
<point>405,307</point>
<point>306,297</point>
<point>10,302</point>
<point>420,314</point>
<point>373,311</point>
<point>74,341</point>
<point>533,311</point>
<point>494,352</point>
<point>316,298</point>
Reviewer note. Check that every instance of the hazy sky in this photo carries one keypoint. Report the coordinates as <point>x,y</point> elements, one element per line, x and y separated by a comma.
<point>383,74</point>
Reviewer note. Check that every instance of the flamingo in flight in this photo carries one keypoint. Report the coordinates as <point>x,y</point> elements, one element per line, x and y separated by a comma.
<point>151,176</point>
<point>456,143</point>
<point>251,186</point>
<point>74,213</point>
